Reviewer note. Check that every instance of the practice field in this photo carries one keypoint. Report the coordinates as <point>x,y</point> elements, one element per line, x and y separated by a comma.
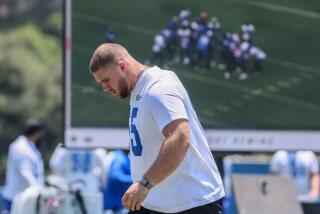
<point>284,96</point>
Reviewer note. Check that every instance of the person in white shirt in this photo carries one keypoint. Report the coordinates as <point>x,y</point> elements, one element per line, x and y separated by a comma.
<point>302,166</point>
<point>25,163</point>
<point>172,167</point>
<point>85,166</point>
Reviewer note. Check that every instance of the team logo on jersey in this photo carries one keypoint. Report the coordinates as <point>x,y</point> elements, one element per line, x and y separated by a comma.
<point>138,97</point>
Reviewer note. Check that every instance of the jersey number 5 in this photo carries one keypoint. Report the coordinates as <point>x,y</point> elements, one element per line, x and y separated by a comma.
<point>134,135</point>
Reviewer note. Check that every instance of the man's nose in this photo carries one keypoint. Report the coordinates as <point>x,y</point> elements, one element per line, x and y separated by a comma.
<point>106,88</point>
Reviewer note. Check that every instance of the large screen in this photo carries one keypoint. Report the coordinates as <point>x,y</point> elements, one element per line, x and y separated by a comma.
<point>251,68</point>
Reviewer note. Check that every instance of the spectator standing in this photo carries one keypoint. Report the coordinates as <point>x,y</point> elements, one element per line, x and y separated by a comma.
<point>25,163</point>
<point>118,180</point>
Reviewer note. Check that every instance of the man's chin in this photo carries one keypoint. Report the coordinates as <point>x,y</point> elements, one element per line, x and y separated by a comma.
<point>122,97</point>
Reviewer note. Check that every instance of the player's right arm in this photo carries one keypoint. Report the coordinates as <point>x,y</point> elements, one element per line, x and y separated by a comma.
<point>165,102</point>
<point>172,152</point>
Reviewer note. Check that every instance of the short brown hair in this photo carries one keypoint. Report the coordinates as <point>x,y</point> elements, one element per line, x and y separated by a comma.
<point>106,54</point>
<point>101,58</point>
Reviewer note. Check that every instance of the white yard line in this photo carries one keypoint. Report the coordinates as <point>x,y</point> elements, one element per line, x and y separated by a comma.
<point>295,66</point>
<point>247,90</point>
<point>281,9</point>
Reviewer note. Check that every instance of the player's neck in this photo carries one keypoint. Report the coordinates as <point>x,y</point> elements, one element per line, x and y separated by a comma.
<point>140,68</point>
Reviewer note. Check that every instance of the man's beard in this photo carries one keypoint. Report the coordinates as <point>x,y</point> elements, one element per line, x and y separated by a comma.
<point>124,89</point>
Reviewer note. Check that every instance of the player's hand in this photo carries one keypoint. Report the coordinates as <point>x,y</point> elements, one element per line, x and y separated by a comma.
<point>314,194</point>
<point>134,196</point>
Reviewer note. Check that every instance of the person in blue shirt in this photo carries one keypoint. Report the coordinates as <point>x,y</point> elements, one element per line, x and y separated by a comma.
<point>118,180</point>
<point>204,49</point>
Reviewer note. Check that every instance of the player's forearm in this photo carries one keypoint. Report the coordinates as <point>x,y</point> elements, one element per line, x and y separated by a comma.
<point>315,184</point>
<point>169,158</point>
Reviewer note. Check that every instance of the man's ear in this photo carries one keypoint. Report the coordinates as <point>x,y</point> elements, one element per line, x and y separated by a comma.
<point>123,65</point>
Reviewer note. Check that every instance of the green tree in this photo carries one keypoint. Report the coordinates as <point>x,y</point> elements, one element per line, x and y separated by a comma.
<point>30,84</point>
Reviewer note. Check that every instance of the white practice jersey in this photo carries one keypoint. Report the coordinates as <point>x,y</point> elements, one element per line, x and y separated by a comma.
<point>24,167</point>
<point>158,99</point>
<point>86,165</point>
<point>299,166</point>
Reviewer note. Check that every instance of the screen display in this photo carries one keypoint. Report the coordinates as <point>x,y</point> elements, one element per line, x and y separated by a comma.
<point>246,64</point>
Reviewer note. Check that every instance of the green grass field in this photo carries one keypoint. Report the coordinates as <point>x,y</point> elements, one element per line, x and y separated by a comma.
<point>285,96</point>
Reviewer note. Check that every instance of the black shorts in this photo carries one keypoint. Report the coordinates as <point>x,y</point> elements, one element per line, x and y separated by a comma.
<point>212,208</point>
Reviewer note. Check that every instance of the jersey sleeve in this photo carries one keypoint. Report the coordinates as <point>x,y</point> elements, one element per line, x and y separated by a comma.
<point>314,163</point>
<point>166,104</point>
